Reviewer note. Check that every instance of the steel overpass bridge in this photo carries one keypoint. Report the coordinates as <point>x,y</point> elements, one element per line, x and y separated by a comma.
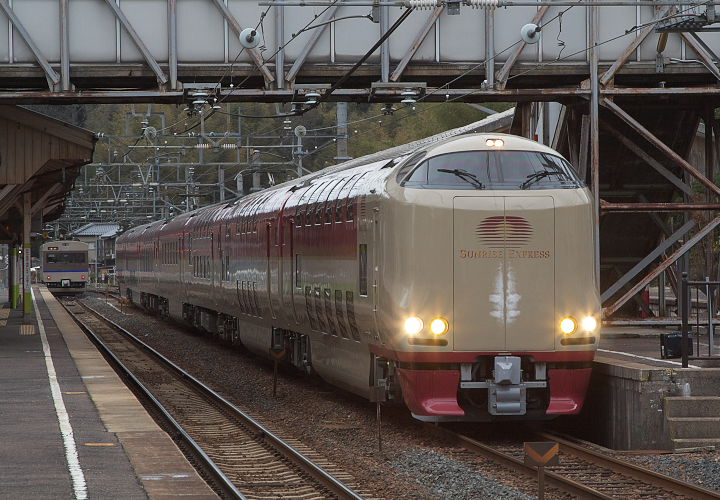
<point>635,85</point>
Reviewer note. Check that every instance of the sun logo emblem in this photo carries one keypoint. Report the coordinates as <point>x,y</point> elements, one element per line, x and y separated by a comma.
<point>504,231</point>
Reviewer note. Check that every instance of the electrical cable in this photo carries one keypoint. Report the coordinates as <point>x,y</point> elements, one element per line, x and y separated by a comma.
<point>540,65</point>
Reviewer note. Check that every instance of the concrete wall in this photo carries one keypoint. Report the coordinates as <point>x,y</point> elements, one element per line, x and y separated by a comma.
<point>625,407</point>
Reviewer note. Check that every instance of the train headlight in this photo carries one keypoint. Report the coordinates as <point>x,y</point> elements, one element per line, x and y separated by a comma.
<point>494,143</point>
<point>413,325</point>
<point>568,325</point>
<point>439,326</point>
<point>589,324</point>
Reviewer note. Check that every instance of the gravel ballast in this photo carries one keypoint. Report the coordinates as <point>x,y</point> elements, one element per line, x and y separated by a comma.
<point>342,427</point>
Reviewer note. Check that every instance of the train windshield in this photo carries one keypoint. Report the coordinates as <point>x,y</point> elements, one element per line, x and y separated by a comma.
<point>493,170</point>
<point>66,257</point>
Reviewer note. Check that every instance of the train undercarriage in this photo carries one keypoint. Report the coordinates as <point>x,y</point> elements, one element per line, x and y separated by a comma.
<point>491,388</point>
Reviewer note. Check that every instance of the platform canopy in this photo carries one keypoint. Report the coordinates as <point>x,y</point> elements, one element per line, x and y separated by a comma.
<point>42,156</point>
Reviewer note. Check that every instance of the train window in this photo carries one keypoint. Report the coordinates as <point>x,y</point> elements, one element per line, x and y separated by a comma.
<point>419,176</point>
<point>255,300</point>
<point>298,221</point>
<point>329,210</point>
<point>349,209</point>
<point>319,310</point>
<point>363,269</point>
<point>66,257</point>
<point>241,296</point>
<point>409,165</point>
<point>338,211</point>
<point>509,170</point>
<point>339,316</point>
<point>309,309</point>
<point>328,311</point>
<point>319,213</point>
<point>350,306</point>
<point>298,270</point>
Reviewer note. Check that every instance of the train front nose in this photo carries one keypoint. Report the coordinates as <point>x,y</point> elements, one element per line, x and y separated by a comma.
<point>504,273</point>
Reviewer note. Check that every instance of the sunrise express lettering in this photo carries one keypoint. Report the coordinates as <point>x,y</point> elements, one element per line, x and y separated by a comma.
<point>507,253</point>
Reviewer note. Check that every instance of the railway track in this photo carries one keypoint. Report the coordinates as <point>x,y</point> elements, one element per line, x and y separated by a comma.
<point>241,458</point>
<point>586,473</point>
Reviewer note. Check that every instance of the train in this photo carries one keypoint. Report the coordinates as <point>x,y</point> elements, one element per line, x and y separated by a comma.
<point>456,276</point>
<point>64,266</point>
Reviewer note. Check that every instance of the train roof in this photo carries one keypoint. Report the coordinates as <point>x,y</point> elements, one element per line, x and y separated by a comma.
<point>466,138</point>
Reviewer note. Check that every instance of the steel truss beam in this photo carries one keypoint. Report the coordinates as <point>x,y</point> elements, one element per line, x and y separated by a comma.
<point>159,73</point>
<point>632,46</point>
<point>649,160</point>
<point>314,37</point>
<point>237,29</point>
<point>645,280</point>
<point>649,258</point>
<point>672,155</point>
<point>706,56</point>
<point>364,95</point>
<point>52,77</point>
<point>504,72</point>
<point>422,34</point>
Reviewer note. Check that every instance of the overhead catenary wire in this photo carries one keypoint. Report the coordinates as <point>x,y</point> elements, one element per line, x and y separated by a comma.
<point>537,66</point>
<point>434,91</point>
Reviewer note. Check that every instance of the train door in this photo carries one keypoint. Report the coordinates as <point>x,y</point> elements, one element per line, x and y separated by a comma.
<point>273,268</point>
<point>530,264</point>
<point>288,263</point>
<point>376,256</point>
<point>503,273</point>
<point>479,277</point>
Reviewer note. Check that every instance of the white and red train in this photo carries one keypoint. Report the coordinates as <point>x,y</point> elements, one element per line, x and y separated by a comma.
<point>458,276</point>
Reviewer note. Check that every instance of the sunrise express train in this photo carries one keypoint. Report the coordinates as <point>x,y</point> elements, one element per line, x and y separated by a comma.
<point>458,277</point>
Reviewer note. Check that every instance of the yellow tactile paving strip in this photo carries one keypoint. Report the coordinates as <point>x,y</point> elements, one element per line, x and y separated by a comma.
<point>160,466</point>
<point>4,315</point>
<point>27,330</point>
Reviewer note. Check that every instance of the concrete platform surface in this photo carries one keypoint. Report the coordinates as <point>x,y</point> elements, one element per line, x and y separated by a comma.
<point>70,427</point>
<point>641,345</point>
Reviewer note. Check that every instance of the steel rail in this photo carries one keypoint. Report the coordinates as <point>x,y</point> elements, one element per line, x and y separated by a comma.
<point>553,479</point>
<point>220,480</point>
<point>323,477</point>
<point>632,470</point>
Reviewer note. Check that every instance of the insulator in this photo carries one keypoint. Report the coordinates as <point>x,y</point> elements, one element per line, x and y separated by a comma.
<point>423,4</point>
<point>483,4</point>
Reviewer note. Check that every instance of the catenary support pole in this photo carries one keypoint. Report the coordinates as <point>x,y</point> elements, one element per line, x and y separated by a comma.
<point>27,217</point>
<point>12,275</point>
<point>342,132</point>
<point>595,132</point>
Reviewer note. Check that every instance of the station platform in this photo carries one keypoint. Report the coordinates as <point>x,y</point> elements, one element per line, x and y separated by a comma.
<point>70,427</point>
<point>638,401</point>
